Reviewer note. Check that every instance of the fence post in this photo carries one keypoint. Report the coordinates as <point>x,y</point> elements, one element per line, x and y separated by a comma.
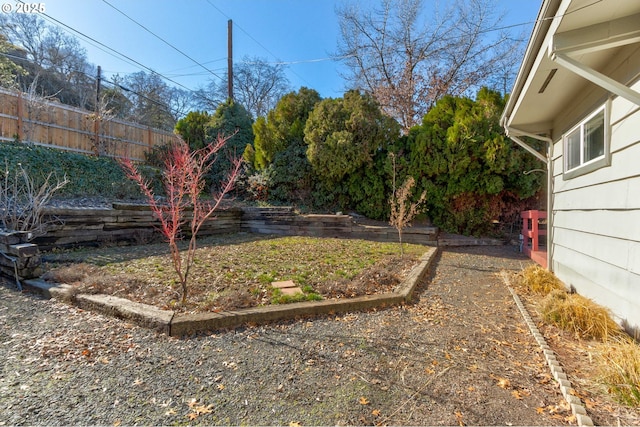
<point>96,131</point>
<point>20,110</point>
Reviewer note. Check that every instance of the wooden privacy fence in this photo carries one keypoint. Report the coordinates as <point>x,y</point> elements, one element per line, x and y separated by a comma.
<point>42,122</point>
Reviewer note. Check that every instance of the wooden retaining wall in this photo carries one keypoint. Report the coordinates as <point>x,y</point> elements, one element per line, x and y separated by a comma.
<point>122,223</point>
<point>284,221</point>
<point>18,257</point>
<point>135,224</point>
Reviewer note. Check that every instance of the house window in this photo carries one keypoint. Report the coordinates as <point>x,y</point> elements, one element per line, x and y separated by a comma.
<point>586,146</point>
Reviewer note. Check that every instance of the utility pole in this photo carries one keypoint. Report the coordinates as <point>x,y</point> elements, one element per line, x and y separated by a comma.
<point>230,59</point>
<point>96,123</point>
<point>98,84</point>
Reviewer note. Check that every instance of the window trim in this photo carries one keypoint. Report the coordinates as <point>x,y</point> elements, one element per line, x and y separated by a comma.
<point>593,164</point>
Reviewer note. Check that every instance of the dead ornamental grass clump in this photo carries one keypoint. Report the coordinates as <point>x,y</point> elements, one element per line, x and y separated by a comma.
<point>580,315</point>
<point>539,281</point>
<point>618,355</point>
<point>619,361</point>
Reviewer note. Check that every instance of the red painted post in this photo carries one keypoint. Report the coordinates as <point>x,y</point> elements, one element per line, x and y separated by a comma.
<point>534,230</point>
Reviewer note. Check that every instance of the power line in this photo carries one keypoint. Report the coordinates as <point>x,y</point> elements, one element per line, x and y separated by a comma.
<point>256,41</point>
<point>161,39</point>
<point>164,106</point>
<point>111,49</point>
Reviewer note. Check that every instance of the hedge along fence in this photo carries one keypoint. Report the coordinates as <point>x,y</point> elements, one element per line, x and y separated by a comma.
<point>52,124</point>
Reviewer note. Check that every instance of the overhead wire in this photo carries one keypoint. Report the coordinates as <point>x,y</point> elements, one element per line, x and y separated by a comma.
<point>50,18</point>
<point>255,40</point>
<point>164,106</point>
<point>130,60</point>
<point>163,40</point>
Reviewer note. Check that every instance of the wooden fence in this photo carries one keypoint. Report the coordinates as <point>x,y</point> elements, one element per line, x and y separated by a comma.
<point>60,126</point>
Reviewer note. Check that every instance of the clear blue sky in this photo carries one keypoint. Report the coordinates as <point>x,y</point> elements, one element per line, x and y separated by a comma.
<point>301,33</point>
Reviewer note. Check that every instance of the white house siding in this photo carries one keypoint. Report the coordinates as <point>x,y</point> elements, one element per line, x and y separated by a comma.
<point>596,241</point>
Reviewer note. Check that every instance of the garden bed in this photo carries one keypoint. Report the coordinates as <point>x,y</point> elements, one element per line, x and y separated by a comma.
<point>236,271</point>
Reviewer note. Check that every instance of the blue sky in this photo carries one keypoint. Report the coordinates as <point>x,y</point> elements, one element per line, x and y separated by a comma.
<point>301,33</point>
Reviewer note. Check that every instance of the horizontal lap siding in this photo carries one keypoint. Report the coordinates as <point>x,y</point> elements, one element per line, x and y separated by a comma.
<point>613,288</point>
<point>596,241</point>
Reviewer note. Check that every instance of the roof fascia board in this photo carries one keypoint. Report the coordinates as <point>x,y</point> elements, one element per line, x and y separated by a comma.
<point>526,74</point>
<point>606,35</point>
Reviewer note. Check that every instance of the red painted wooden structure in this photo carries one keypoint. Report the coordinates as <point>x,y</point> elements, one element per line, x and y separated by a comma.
<point>531,233</point>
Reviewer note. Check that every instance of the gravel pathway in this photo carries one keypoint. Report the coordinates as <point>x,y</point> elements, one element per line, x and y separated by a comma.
<point>459,354</point>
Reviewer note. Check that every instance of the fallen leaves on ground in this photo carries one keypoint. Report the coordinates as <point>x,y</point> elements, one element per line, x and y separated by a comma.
<point>198,409</point>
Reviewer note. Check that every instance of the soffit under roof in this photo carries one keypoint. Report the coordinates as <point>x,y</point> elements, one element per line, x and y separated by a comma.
<point>546,93</point>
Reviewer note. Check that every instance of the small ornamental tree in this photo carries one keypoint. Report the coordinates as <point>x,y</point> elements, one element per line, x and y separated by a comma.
<point>402,209</point>
<point>184,180</point>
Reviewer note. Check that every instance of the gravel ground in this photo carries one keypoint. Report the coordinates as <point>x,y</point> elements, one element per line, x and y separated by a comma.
<point>459,354</point>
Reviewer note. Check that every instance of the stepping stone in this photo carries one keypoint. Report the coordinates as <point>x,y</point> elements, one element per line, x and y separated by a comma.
<point>287,287</point>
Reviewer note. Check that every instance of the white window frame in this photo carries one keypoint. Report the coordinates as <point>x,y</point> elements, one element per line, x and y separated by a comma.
<point>598,162</point>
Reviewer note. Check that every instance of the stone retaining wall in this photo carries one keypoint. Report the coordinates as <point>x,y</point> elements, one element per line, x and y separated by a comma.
<point>122,223</point>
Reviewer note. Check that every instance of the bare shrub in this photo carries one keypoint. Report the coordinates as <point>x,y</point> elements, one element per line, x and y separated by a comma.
<point>22,201</point>
<point>184,181</point>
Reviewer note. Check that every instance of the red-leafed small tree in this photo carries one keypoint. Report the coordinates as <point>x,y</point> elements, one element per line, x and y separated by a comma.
<point>184,182</point>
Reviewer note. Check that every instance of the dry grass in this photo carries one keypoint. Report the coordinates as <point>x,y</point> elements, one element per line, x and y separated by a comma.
<point>620,369</point>
<point>539,281</point>
<point>618,354</point>
<point>580,315</point>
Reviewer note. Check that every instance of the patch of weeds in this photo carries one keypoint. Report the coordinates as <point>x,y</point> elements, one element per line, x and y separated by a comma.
<point>277,297</point>
<point>265,278</point>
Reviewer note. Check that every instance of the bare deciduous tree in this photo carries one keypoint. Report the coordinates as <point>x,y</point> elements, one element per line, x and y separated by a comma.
<point>38,107</point>
<point>100,119</point>
<point>403,210</point>
<point>409,60</point>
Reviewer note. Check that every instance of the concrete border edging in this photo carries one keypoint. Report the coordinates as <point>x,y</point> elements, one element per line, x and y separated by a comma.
<point>577,408</point>
<point>169,322</point>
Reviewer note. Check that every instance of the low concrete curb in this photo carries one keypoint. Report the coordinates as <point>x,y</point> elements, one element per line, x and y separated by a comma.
<point>577,408</point>
<point>178,325</point>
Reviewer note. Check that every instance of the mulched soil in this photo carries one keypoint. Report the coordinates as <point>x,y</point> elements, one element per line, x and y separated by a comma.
<point>459,354</point>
